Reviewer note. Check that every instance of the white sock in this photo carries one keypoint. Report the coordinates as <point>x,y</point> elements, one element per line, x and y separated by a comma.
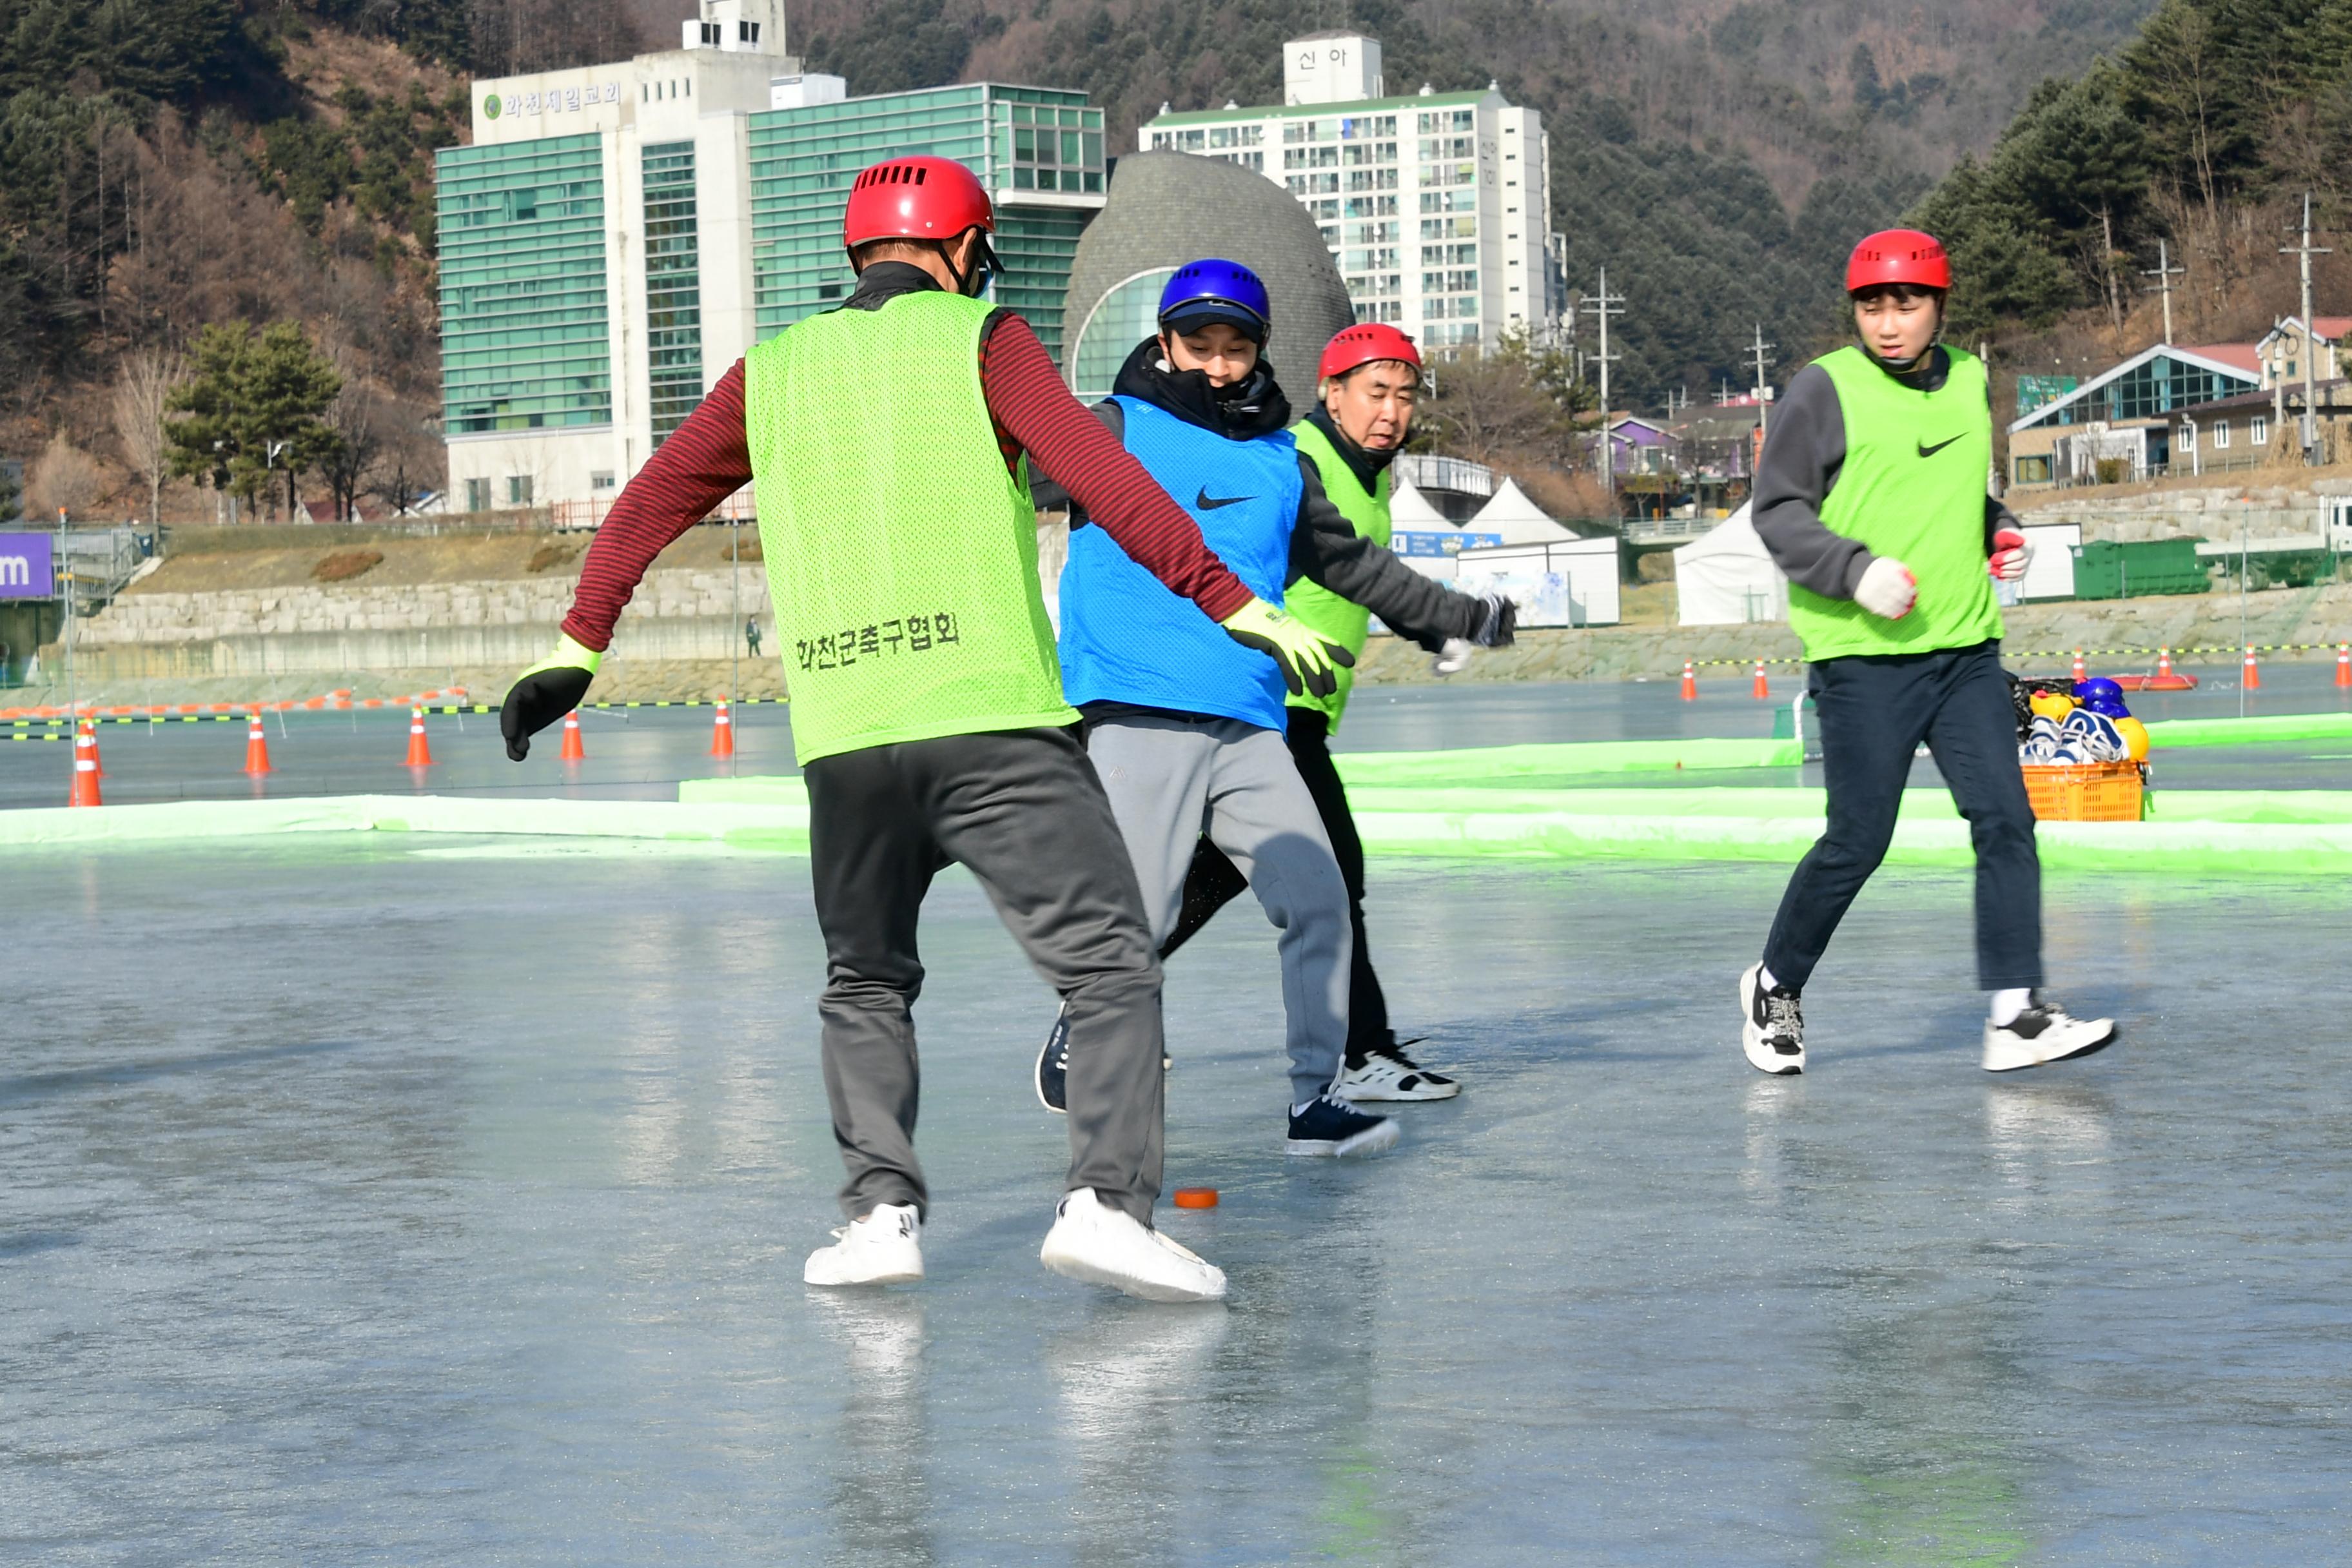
<point>2008,1005</point>
<point>1300,1108</point>
<point>1764,979</point>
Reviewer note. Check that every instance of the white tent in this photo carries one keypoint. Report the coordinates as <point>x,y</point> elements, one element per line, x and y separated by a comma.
<point>1424,538</point>
<point>1725,576</point>
<point>1410,511</point>
<point>1519,520</point>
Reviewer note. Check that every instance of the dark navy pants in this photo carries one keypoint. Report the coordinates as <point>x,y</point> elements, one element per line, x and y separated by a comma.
<point>1873,713</point>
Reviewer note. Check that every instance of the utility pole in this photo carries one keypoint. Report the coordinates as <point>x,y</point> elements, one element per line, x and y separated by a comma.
<point>1605,305</point>
<point>2164,274</point>
<point>2305,252</point>
<point>1763,389</point>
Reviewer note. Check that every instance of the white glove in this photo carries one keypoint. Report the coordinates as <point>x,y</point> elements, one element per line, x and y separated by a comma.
<point>1888,589</point>
<point>1455,657</point>
<point>2012,554</point>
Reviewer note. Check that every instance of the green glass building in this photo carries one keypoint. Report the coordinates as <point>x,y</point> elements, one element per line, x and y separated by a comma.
<point>616,237</point>
<point>1039,151</point>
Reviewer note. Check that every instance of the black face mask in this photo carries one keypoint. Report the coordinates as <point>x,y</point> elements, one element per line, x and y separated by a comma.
<point>1250,407</point>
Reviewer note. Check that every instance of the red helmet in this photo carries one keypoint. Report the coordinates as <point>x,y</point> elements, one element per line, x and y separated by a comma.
<point>1898,255</point>
<point>915,198</point>
<point>1362,344</point>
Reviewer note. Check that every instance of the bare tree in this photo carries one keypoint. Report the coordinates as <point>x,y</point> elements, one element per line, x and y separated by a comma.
<point>142,385</point>
<point>354,419</point>
<point>65,479</point>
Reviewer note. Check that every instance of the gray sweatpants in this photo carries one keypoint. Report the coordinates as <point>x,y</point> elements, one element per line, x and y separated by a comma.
<point>1171,780</point>
<point>1021,810</point>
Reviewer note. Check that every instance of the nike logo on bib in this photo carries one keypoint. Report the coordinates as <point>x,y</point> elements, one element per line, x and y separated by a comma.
<point>1204,501</point>
<point>1927,451</point>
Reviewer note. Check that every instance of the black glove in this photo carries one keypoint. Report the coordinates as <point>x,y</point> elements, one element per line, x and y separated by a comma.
<point>1497,622</point>
<point>545,693</point>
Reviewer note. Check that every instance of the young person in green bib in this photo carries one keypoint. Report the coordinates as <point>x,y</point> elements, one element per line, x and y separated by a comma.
<point>1366,384</point>
<point>1871,496</point>
<point>884,443</point>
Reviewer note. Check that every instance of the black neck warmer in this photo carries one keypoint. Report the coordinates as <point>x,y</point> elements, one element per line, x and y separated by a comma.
<point>1251,407</point>
<point>1367,465</point>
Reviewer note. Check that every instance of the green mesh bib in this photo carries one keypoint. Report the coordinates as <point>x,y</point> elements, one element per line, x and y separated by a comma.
<point>901,555</point>
<point>1912,486</point>
<point>1343,621</point>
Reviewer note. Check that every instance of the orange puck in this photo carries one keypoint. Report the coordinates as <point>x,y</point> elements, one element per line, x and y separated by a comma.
<point>1196,1198</point>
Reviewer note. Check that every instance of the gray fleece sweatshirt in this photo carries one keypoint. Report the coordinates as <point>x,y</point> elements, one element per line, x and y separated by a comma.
<point>1801,462</point>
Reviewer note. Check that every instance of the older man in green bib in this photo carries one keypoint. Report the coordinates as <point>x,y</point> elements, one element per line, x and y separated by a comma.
<point>1871,497</point>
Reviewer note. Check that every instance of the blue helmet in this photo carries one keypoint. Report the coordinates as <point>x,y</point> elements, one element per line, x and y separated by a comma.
<point>2097,688</point>
<point>1214,289</point>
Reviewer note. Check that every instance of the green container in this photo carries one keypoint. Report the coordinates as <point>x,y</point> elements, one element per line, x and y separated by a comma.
<point>2109,571</point>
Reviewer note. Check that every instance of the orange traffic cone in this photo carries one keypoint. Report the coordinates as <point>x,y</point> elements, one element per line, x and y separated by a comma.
<point>2080,672</point>
<point>257,746</point>
<point>1763,687</point>
<point>1690,682</point>
<point>722,733</point>
<point>573,752</point>
<point>420,755</point>
<point>91,726</point>
<point>2163,664</point>
<point>85,779</point>
<point>2254,681</point>
<point>2344,664</point>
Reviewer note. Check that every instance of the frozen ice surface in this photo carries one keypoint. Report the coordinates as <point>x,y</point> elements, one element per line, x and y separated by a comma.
<point>444,1203</point>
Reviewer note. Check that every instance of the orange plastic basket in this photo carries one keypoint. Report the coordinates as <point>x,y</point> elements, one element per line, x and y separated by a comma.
<point>2095,792</point>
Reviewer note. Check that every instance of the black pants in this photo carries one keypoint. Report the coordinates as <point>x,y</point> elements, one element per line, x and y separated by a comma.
<point>1214,882</point>
<point>1874,711</point>
<point>1024,813</point>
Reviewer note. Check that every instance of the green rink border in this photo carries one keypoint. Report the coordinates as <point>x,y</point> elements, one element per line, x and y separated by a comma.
<point>2233,833</point>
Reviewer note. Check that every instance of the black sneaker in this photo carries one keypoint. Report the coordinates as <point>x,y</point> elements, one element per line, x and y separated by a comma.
<point>1772,1029</point>
<point>1332,1126</point>
<point>2041,1034</point>
<point>1385,1072</point>
<point>1054,1065</point>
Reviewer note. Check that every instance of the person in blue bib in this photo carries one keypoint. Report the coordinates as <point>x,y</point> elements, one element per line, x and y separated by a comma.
<point>1187,736</point>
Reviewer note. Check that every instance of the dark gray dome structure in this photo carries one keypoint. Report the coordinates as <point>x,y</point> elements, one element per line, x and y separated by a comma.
<point>1168,208</point>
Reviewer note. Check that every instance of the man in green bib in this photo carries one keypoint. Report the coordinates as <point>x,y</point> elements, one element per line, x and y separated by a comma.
<point>1871,497</point>
<point>884,442</point>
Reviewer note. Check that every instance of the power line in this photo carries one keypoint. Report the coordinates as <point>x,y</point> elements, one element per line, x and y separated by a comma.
<point>2164,273</point>
<point>2305,252</point>
<point>1604,305</point>
<point>1763,388</point>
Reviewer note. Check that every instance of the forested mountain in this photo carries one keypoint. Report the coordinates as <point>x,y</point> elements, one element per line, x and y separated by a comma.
<point>2204,132</point>
<point>169,163</point>
<point>1718,156</point>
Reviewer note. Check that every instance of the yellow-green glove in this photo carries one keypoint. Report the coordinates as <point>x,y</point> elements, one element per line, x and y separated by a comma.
<point>1304,657</point>
<point>546,692</point>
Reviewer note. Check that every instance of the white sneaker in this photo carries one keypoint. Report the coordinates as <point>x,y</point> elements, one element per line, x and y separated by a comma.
<point>883,1248</point>
<point>1772,1024</point>
<point>2042,1034</point>
<point>1104,1246</point>
<point>1388,1073</point>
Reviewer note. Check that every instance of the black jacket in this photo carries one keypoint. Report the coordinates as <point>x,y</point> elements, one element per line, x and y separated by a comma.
<point>1801,462</point>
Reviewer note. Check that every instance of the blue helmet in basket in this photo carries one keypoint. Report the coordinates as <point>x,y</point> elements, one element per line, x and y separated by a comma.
<point>2098,689</point>
<point>1215,289</point>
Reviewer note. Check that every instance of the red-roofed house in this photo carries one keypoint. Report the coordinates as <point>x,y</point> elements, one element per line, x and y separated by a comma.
<point>2245,356</point>
<point>2286,345</point>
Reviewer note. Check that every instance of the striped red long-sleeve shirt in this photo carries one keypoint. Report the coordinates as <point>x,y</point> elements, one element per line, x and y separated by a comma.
<point>708,458</point>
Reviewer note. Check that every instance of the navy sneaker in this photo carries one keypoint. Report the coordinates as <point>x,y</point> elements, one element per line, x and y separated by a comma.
<point>1054,1065</point>
<point>1332,1126</point>
<point>1053,1077</point>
